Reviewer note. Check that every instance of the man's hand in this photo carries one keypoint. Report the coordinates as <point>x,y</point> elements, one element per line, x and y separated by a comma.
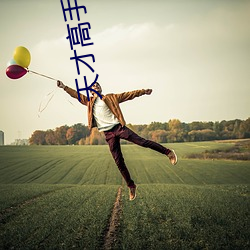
<point>148,91</point>
<point>60,84</point>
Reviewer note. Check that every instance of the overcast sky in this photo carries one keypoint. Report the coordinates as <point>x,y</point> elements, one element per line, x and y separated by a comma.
<point>195,55</point>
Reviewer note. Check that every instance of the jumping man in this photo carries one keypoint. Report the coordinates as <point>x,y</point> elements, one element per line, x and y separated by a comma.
<point>105,114</point>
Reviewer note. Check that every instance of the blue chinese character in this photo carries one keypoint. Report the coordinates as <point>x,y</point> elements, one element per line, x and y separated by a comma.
<point>73,35</point>
<point>87,88</point>
<point>72,8</point>
<point>77,58</point>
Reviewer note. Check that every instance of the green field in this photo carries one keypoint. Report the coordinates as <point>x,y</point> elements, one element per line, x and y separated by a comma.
<point>62,197</point>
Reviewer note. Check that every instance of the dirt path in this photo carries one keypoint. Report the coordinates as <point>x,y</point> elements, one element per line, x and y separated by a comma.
<point>111,235</point>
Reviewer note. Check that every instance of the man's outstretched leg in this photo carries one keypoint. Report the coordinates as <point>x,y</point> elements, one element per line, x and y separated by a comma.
<point>129,135</point>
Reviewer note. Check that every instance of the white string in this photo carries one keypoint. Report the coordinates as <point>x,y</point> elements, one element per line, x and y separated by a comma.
<point>51,78</point>
<point>49,96</point>
<point>71,103</point>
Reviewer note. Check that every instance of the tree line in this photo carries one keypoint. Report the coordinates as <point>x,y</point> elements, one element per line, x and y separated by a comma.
<point>172,131</point>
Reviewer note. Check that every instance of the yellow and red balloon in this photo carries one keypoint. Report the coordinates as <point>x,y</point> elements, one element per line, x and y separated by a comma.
<point>18,64</point>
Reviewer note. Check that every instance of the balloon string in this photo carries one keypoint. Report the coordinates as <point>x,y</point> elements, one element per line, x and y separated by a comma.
<point>51,78</point>
<point>50,96</point>
<point>71,103</point>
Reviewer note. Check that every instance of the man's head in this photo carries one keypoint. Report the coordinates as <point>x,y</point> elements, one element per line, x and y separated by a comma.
<point>97,87</point>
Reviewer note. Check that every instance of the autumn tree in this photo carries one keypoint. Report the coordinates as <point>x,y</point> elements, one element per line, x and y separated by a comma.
<point>77,133</point>
<point>95,138</point>
<point>38,138</point>
<point>172,131</point>
<point>50,137</point>
<point>159,135</point>
<point>60,134</point>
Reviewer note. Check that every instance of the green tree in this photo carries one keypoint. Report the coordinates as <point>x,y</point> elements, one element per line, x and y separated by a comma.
<point>244,130</point>
<point>236,129</point>
<point>175,133</point>
<point>157,126</point>
<point>196,126</point>
<point>217,129</point>
<point>202,135</point>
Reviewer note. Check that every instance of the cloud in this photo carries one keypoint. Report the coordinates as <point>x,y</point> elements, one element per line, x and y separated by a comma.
<point>125,42</point>
<point>121,44</point>
<point>123,33</point>
<point>214,44</point>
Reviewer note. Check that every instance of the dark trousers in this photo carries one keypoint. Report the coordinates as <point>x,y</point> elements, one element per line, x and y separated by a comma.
<point>113,137</point>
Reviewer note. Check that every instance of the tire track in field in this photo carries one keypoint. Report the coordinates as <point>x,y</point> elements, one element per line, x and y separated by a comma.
<point>67,172</point>
<point>176,175</point>
<point>12,165</point>
<point>112,229</point>
<point>84,181</point>
<point>94,175</point>
<point>46,166</point>
<point>195,178</point>
<point>6,214</point>
<point>48,169</point>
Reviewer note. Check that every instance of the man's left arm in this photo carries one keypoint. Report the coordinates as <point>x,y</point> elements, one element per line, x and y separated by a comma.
<point>132,94</point>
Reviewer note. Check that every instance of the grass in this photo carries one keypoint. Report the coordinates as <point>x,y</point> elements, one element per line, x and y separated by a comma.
<point>65,218</point>
<point>57,165</point>
<point>187,217</point>
<point>61,197</point>
<point>240,150</point>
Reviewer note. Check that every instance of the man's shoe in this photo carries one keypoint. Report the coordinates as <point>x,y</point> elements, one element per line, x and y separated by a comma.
<point>172,157</point>
<point>132,193</point>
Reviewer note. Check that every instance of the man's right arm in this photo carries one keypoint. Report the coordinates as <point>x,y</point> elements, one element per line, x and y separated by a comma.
<point>73,93</point>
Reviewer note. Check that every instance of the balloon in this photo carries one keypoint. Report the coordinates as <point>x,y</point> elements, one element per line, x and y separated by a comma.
<point>15,71</point>
<point>22,56</point>
<point>11,62</point>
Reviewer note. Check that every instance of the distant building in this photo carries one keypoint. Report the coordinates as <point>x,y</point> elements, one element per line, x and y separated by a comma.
<point>1,138</point>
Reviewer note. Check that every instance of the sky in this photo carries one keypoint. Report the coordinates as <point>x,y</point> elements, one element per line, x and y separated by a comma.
<point>194,54</point>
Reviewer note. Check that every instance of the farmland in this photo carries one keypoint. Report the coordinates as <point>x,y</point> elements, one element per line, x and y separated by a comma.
<point>62,197</point>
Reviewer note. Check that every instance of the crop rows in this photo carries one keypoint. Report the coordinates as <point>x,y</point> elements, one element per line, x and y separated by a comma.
<point>187,217</point>
<point>55,197</point>
<point>65,218</point>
